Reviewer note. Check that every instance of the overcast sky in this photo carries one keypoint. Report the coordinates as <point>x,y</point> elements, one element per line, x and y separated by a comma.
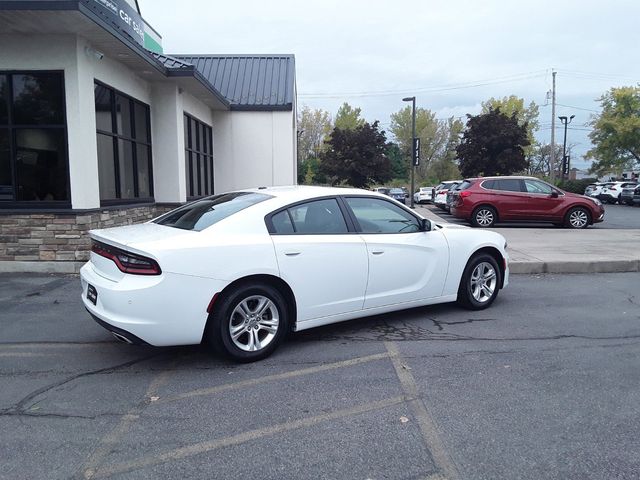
<point>451,54</point>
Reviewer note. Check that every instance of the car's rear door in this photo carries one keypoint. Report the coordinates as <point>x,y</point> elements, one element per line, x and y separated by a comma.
<point>510,199</point>
<point>324,263</point>
<point>405,263</point>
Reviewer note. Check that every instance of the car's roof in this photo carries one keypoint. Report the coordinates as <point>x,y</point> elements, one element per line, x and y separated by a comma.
<point>294,193</point>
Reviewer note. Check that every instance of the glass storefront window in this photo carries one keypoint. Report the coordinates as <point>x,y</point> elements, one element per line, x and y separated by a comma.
<point>41,164</point>
<point>125,172</point>
<point>38,99</point>
<point>198,157</point>
<point>4,110</point>
<point>34,165</point>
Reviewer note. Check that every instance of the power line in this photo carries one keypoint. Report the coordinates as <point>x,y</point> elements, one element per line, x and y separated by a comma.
<point>441,88</point>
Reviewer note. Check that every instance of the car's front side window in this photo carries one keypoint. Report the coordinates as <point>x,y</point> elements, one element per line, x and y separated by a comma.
<point>534,186</point>
<point>379,216</point>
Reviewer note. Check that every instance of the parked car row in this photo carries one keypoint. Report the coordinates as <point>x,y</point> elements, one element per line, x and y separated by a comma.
<point>614,192</point>
<point>399,194</point>
<point>486,201</point>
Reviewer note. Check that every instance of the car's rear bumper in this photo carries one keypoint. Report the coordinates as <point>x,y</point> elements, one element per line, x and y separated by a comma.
<point>162,310</point>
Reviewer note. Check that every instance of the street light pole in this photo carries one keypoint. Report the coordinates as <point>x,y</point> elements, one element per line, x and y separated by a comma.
<point>413,145</point>
<point>565,121</point>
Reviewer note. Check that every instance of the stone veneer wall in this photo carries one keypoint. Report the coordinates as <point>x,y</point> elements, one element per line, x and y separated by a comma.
<point>51,239</point>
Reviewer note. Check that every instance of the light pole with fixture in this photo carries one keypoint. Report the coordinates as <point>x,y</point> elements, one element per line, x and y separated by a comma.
<point>565,161</point>
<point>415,146</point>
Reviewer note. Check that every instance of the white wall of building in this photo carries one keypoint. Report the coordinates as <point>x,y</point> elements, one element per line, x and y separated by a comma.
<point>250,148</point>
<point>253,149</point>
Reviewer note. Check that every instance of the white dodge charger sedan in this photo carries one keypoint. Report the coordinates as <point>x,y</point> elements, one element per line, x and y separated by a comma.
<point>240,270</point>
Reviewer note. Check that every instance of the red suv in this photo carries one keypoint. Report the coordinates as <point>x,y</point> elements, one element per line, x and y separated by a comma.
<point>485,201</point>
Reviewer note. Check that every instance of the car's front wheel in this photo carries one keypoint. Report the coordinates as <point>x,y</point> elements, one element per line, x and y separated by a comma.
<point>577,217</point>
<point>249,323</point>
<point>480,282</point>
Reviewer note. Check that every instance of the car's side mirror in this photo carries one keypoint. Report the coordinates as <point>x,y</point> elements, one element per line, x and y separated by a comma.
<point>425,225</point>
<point>554,194</point>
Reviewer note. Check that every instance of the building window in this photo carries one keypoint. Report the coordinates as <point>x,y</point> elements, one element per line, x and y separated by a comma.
<point>198,157</point>
<point>124,147</point>
<point>33,139</point>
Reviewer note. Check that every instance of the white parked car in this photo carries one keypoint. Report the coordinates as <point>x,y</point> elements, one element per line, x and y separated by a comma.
<point>240,270</point>
<point>612,192</point>
<point>423,195</point>
<point>440,194</point>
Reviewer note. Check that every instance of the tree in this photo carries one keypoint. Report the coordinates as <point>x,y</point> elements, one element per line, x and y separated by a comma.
<point>492,144</point>
<point>313,128</point>
<point>357,156</point>
<point>616,132</point>
<point>539,160</point>
<point>399,162</point>
<point>513,105</point>
<point>348,118</point>
<point>438,141</point>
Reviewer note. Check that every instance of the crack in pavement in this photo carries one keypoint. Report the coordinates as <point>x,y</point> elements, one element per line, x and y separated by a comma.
<point>439,323</point>
<point>20,406</point>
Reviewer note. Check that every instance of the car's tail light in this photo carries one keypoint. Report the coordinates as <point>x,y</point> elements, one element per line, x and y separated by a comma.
<point>465,193</point>
<point>127,262</point>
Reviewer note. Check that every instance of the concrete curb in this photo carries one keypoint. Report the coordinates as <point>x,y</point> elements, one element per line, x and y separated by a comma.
<point>605,266</point>
<point>40,267</point>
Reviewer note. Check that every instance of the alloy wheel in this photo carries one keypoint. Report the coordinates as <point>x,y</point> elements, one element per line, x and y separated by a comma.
<point>484,217</point>
<point>253,324</point>
<point>483,282</point>
<point>578,218</point>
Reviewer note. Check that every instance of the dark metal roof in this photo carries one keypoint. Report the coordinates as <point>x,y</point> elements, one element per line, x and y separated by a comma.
<point>249,82</point>
<point>172,63</point>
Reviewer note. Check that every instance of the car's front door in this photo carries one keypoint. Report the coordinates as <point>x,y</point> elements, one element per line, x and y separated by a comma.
<point>405,263</point>
<point>543,203</point>
<point>324,264</point>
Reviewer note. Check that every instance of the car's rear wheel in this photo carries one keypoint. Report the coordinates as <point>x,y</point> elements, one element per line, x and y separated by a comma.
<point>484,217</point>
<point>480,282</point>
<point>249,323</point>
<point>577,217</point>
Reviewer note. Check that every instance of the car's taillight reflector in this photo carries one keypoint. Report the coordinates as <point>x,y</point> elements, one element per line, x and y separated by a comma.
<point>465,193</point>
<point>127,262</point>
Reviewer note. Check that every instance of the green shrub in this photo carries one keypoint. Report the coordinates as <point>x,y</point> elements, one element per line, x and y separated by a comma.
<point>576,186</point>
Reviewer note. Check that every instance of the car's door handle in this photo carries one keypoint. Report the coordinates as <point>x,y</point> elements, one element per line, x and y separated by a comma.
<point>377,252</point>
<point>291,253</point>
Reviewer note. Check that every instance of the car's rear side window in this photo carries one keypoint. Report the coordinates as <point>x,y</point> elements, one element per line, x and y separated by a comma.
<point>508,184</point>
<point>205,212</point>
<point>317,217</point>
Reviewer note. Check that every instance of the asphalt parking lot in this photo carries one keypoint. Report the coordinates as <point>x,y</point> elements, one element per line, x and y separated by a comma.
<point>535,387</point>
<point>616,216</point>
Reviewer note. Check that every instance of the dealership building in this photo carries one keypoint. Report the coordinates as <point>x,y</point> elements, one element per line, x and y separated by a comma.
<point>99,127</point>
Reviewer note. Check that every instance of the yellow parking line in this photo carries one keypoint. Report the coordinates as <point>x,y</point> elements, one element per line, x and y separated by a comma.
<point>275,377</point>
<point>427,424</point>
<point>204,447</point>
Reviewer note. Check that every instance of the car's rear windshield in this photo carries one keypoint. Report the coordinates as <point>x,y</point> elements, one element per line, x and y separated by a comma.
<point>396,190</point>
<point>464,185</point>
<point>205,212</point>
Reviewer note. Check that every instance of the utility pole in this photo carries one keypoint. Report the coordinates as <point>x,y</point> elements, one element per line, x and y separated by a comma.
<point>415,146</point>
<point>552,158</point>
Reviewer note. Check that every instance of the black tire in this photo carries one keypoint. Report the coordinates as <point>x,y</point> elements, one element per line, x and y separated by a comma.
<point>577,217</point>
<point>471,294</point>
<point>484,217</point>
<point>227,313</point>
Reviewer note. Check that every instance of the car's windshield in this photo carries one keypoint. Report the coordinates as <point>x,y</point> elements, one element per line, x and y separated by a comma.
<point>205,212</point>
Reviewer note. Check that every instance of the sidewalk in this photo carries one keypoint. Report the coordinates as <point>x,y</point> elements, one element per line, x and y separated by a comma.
<point>556,250</point>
